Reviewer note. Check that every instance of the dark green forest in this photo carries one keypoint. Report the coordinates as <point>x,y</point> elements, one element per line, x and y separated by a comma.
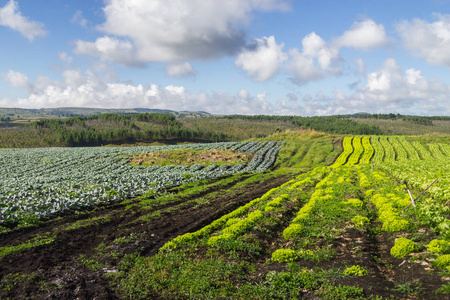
<point>110,128</point>
<point>146,128</point>
<point>115,128</point>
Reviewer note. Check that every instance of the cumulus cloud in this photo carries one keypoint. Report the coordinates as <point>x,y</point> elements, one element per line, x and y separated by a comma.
<point>302,67</point>
<point>178,30</point>
<point>391,89</point>
<point>319,58</point>
<point>111,49</point>
<point>316,60</point>
<point>264,61</point>
<point>430,41</point>
<point>94,88</point>
<point>388,89</point>
<point>180,70</point>
<point>16,79</point>
<point>364,35</point>
<point>11,17</point>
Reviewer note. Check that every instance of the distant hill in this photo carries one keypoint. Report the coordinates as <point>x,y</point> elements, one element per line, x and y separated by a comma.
<point>85,111</point>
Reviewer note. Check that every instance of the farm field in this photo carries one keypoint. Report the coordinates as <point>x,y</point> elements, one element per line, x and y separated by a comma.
<point>328,218</point>
<point>47,181</point>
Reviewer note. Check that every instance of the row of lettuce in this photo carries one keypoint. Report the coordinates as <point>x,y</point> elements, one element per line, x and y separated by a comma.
<point>37,183</point>
<point>355,192</point>
<point>342,195</point>
<point>423,165</point>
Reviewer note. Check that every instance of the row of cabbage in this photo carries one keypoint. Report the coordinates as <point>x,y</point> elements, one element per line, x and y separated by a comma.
<point>41,182</point>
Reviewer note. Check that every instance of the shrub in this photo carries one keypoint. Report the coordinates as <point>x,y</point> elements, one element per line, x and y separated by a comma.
<point>439,247</point>
<point>284,255</point>
<point>355,271</point>
<point>293,231</point>
<point>403,247</point>
<point>361,221</point>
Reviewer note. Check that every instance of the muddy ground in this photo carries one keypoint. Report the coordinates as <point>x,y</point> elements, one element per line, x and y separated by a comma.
<point>66,268</point>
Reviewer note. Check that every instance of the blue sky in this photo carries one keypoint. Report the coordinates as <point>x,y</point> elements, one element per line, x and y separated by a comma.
<point>228,57</point>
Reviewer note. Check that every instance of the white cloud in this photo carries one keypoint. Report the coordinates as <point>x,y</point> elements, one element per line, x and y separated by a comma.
<point>302,68</point>
<point>180,69</point>
<point>315,47</point>
<point>73,78</point>
<point>389,77</point>
<point>393,90</point>
<point>388,90</point>
<point>64,57</point>
<point>428,40</point>
<point>92,88</point>
<point>315,61</point>
<point>312,44</point>
<point>264,61</point>
<point>112,49</point>
<point>16,79</point>
<point>11,17</point>
<point>179,30</point>
<point>79,19</point>
<point>319,58</point>
<point>363,35</point>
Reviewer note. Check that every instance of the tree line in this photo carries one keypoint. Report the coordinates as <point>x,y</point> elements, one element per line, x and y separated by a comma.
<point>74,131</point>
<point>414,119</point>
<point>330,124</point>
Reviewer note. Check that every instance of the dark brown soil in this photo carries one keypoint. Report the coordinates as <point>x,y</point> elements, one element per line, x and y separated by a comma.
<point>60,270</point>
<point>388,276</point>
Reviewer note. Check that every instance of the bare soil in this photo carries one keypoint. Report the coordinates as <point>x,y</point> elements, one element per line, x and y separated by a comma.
<point>60,270</point>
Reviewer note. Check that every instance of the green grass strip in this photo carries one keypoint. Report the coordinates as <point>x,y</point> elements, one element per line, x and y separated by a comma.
<point>35,242</point>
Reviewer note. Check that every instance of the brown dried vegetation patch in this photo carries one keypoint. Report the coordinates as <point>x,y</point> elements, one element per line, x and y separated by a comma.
<point>191,156</point>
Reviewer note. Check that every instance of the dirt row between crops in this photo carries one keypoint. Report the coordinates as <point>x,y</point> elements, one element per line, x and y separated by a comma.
<point>55,270</point>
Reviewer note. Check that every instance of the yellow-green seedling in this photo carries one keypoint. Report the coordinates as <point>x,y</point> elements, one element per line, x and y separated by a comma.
<point>275,203</point>
<point>439,247</point>
<point>354,202</point>
<point>403,247</point>
<point>293,231</point>
<point>361,221</point>
<point>284,255</point>
<point>355,271</point>
<point>442,261</point>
